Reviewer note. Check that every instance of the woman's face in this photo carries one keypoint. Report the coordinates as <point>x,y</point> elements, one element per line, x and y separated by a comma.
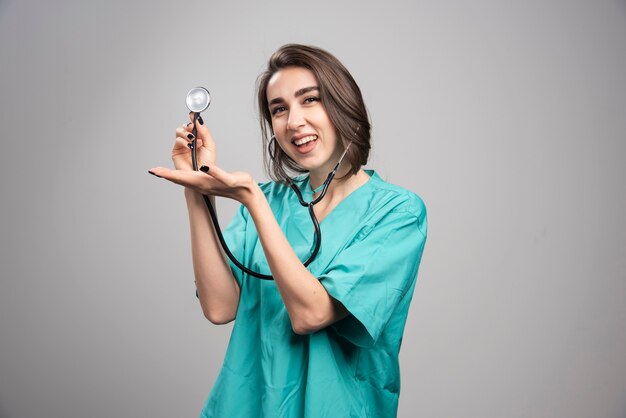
<point>299,120</point>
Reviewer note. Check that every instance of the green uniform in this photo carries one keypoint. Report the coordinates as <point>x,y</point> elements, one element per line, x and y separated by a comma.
<point>371,247</point>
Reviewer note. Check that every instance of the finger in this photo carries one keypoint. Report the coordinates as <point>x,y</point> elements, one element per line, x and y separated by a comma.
<point>218,174</point>
<point>182,144</point>
<point>203,130</point>
<point>191,179</point>
<point>181,132</point>
<point>215,171</point>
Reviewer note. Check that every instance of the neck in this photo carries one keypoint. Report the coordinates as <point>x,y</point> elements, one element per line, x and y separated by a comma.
<point>318,177</point>
<point>338,188</point>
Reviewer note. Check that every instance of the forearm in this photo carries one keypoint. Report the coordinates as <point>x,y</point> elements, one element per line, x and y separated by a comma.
<point>309,306</point>
<point>218,290</point>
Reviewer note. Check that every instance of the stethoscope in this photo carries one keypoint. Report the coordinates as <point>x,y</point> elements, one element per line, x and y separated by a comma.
<point>198,100</point>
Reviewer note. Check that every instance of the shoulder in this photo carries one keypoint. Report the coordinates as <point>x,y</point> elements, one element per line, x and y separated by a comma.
<point>396,199</point>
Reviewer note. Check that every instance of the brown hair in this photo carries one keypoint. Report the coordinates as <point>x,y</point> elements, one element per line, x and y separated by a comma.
<point>340,96</point>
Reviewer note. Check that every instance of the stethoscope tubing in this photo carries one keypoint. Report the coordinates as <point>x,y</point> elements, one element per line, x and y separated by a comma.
<point>308,205</point>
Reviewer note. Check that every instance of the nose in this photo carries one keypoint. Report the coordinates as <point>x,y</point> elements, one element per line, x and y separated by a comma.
<point>295,119</point>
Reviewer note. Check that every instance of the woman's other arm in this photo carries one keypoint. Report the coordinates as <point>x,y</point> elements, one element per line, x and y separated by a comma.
<point>309,305</point>
<point>218,291</point>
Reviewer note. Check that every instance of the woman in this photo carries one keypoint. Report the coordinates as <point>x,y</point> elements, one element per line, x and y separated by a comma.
<point>321,341</point>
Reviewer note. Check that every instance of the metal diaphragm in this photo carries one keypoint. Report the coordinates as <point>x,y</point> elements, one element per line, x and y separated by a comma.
<point>198,99</point>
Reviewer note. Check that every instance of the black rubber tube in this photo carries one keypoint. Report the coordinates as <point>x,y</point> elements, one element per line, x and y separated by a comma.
<point>218,230</point>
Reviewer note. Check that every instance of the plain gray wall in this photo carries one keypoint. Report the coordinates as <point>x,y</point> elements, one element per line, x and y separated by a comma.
<point>507,117</point>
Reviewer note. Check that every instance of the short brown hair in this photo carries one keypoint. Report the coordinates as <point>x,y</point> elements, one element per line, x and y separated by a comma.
<point>340,96</point>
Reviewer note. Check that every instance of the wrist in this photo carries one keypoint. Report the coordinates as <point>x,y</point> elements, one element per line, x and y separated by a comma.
<point>253,196</point>
<point>191,194</point>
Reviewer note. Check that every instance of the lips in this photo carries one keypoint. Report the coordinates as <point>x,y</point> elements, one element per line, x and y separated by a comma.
<point>304,143</point>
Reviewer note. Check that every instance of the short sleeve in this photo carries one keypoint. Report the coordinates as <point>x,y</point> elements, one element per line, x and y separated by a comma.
<point>372,275</point>
<point>235,237</point>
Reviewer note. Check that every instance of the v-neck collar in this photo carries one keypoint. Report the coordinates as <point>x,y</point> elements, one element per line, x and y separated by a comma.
<point>307,193</point>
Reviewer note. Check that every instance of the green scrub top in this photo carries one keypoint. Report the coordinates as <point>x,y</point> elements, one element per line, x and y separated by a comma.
<point>371,247</point>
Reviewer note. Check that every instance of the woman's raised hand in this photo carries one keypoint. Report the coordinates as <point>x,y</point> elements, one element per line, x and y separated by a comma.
<point>205,146</point>
<point>213,181</point>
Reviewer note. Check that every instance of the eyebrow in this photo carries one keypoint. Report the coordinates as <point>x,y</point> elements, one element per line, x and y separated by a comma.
<point>298,93</point>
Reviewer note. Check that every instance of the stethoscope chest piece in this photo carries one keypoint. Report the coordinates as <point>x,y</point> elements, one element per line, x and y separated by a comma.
<point>198,99</point>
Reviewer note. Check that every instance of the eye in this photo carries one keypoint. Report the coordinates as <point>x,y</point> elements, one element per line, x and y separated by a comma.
<point>311,99</point>
<point>277,109</point>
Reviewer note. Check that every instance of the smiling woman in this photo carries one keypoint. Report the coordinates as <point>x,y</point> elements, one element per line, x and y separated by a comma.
<point>323,340</point>
<point>301,125</point>
<point>330,83</point>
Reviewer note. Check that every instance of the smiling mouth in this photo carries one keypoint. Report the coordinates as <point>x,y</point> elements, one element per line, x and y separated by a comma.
<point>305,140</point>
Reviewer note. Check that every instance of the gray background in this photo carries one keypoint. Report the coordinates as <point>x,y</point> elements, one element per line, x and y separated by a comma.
<point>507,117</point>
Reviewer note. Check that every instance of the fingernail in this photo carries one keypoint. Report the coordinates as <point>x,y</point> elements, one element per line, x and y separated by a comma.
<point>204,169</point>
<point>190,136</point>
<point>190,145</point>
<point>189,124</point>
<point>151,172</point>
<point>200,120</point>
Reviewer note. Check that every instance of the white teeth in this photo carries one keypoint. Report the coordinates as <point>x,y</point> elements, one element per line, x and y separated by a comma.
<point>304,140</point>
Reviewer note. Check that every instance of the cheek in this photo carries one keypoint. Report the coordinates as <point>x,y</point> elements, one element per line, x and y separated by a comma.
<point>281,136</point>
<point>324,120</point>
<point>277,125</point>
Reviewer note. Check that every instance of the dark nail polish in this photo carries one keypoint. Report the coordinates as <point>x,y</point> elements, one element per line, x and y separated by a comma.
<point>200,120</point>
<point>154,174</point>
<point>190,145</point>
<point>190,136</point>
<point>204,169</point>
